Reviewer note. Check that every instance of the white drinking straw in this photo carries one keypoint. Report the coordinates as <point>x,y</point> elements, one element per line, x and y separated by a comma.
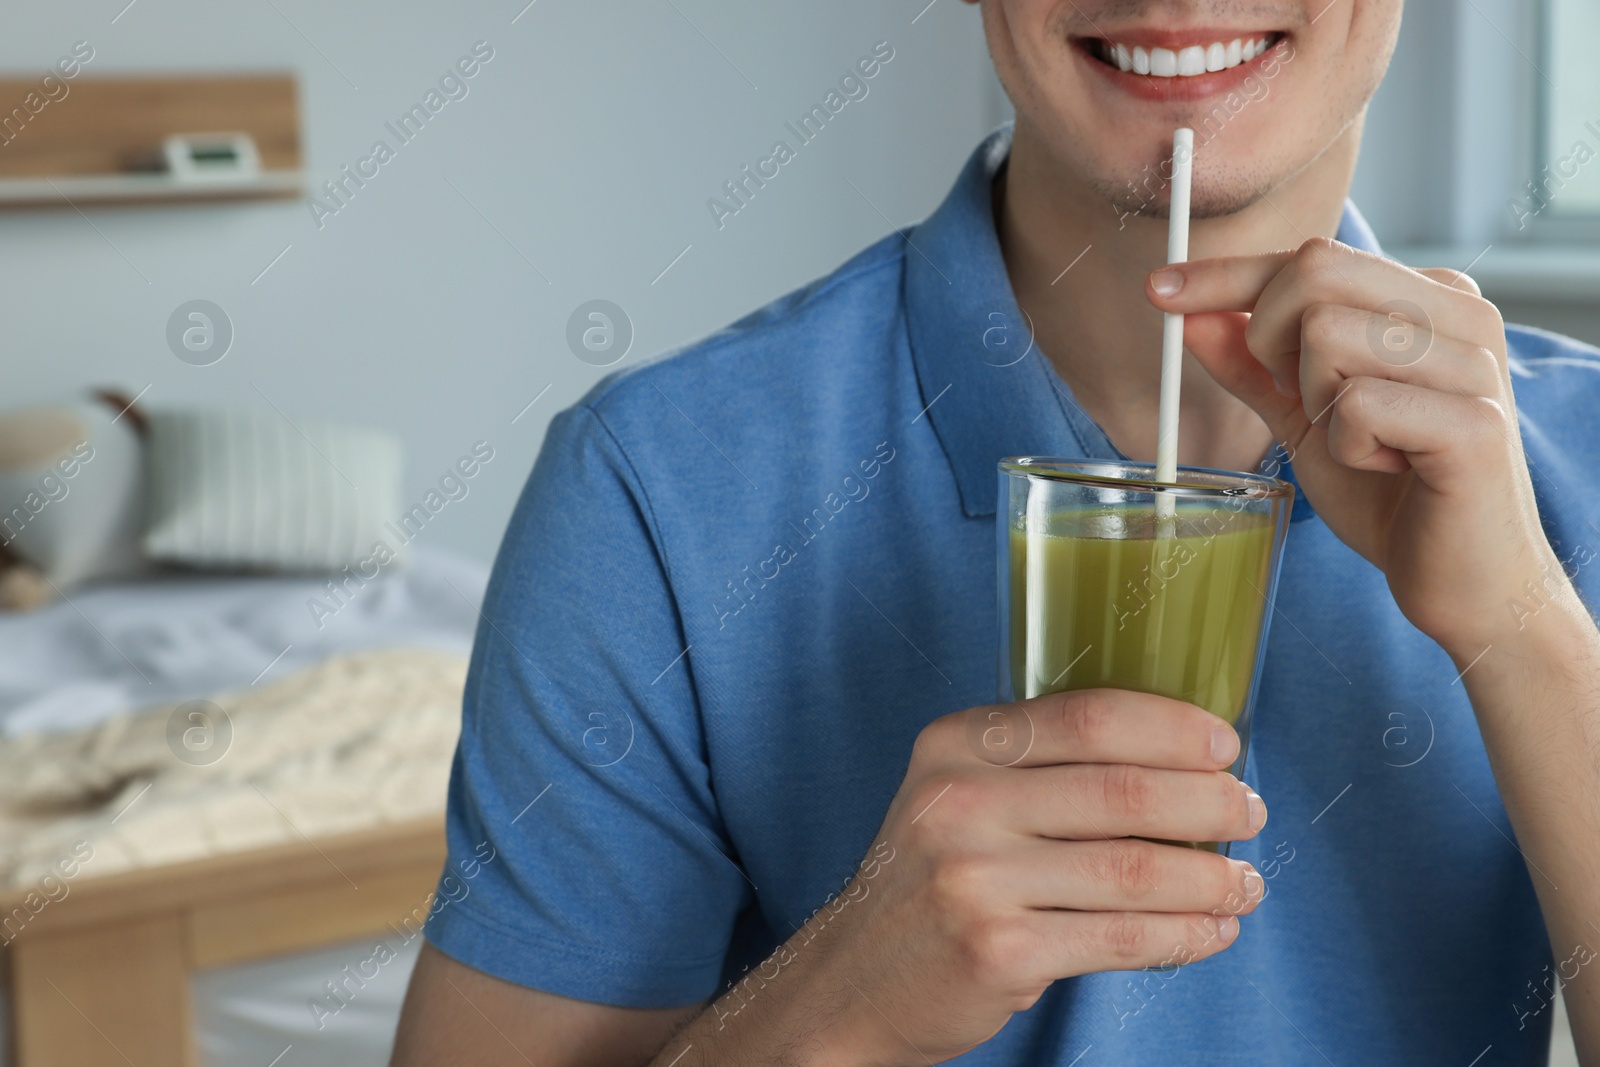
<point>1172,326</point>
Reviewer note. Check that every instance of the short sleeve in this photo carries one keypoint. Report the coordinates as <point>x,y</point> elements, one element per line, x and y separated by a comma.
<point>587,857</point>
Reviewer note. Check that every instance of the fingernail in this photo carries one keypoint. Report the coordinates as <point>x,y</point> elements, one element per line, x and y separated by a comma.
<point>1166,282</point>
<point>1224,745</point>
<point>1254,885</point>
<point>1229,928</point>
<point>1258,809</point>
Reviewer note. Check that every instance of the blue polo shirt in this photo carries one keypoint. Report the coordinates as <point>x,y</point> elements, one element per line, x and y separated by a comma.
<point>743,577</point>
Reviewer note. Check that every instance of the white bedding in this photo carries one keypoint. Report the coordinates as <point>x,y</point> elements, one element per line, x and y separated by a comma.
<point>359,740</point>
<point>118,648</point>
<point>125,646</point>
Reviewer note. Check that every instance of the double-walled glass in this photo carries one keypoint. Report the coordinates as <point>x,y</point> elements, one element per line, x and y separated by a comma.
<point>1102,587</point>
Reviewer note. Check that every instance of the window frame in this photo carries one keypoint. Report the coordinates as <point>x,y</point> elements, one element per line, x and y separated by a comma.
<point>1552,225</point>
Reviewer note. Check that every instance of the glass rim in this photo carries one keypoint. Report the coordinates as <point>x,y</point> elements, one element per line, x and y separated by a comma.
<point>1099,473</point>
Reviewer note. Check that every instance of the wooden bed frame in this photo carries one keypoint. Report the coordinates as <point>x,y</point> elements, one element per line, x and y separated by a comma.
<point>102,976</point>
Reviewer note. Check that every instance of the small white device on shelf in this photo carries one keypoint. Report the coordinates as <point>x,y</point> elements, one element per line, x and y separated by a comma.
<point>211,157</point>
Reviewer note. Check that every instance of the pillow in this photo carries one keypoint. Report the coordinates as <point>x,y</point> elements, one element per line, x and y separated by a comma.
<point>71,491</point>
<point>253,490</point>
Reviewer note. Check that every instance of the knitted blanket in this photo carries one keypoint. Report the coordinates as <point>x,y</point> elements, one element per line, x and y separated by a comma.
<point>360,740</point>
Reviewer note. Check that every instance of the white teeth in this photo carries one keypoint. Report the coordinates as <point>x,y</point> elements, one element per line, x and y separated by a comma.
<point>1185,62</point>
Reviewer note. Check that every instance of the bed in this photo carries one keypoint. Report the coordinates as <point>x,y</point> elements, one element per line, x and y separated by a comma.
<point>216,804</point>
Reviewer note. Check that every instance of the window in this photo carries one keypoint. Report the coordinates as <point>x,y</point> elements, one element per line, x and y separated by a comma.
<point>1566,182</point>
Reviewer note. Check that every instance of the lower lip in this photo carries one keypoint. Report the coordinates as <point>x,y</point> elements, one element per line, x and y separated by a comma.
<point>1193,87</point>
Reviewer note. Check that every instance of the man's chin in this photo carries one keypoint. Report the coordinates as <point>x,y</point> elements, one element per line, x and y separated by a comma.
<point>1209,200</point>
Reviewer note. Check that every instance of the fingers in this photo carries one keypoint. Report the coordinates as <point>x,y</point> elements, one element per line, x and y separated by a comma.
<point>1083,942</point>
<point>1449,440</point>
<point>1225,283</point>
<point>1099,726</point>
<point>1453,278</point>
<point>1088,801</point>
<point>1027,950</point>
<point>1280,288</point>
<point>1340,343</point>
<point>1130,875</point>
<point>1326,272</point>
<point>1217,340</point>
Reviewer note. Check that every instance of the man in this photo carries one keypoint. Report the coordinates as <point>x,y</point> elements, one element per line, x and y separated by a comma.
<point>718,738</point>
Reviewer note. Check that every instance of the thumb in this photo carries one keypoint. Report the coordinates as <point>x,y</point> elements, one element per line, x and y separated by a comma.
<point>1217,341</point>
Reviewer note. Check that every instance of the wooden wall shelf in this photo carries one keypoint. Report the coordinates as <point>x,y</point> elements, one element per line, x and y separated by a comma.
<point>102,140</point>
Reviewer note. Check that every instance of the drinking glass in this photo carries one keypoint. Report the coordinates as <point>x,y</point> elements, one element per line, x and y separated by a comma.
<point>1102,587</point>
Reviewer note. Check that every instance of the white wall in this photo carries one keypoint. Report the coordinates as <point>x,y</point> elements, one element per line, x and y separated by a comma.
<point>591,142</point>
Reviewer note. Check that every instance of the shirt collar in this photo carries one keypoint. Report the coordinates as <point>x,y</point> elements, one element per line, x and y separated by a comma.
<point>989,392</point>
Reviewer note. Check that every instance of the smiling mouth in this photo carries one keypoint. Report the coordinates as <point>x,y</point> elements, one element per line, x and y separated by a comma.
<point>1188,61</point>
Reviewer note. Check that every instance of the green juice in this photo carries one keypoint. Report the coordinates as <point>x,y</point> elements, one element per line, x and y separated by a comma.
<point>1107,599</point>
<point>1104,598</point>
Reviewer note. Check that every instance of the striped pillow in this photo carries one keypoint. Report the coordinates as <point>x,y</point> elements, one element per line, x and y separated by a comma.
<point>252,489</point>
